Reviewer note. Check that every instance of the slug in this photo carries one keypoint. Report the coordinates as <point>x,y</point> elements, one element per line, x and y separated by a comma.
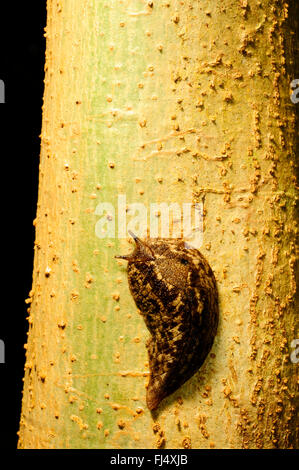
<point>175,290</point>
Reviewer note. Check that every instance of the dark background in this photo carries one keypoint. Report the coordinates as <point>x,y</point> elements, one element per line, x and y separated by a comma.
<point>22,52</point>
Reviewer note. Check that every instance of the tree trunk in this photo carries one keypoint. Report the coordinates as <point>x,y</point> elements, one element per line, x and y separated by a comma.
<point>174,102</point>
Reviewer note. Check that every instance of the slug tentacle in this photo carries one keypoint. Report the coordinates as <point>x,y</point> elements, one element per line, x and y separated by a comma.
<point>175,290</point>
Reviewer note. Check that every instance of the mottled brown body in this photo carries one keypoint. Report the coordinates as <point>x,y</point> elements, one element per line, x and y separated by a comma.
<point>175,290</point>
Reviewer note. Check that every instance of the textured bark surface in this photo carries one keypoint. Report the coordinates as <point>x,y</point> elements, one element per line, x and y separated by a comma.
<point>169,101</point>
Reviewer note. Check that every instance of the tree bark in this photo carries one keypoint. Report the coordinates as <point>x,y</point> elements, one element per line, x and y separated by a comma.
<point>169,101</point>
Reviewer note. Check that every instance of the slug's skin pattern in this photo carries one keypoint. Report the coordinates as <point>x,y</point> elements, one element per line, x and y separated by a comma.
<point>175,290</point>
